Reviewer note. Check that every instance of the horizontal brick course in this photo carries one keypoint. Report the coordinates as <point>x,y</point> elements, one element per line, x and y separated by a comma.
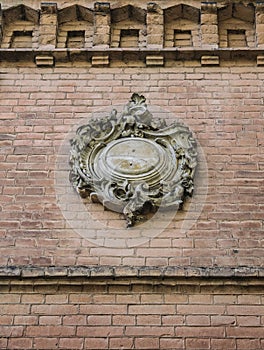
<point>84,320</point>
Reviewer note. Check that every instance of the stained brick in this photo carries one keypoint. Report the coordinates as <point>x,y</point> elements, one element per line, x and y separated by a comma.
<point>121,343</point>
<point>46,343</point>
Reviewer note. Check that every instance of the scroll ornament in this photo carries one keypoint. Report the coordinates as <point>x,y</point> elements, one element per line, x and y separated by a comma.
<point>133,163</point>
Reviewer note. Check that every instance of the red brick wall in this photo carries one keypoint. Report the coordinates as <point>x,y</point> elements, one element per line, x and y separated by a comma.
<point>107,315</point>
<point>197,281</point>
<point>223,106</point>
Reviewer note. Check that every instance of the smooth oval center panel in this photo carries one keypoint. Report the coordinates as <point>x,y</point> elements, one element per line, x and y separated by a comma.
<point>132,156</point>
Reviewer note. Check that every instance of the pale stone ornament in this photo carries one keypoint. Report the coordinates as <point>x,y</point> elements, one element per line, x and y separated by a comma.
<point>134,163</point>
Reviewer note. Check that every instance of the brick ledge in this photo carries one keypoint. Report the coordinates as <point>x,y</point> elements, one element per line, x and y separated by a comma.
<point>121,272</point>
<point>113,54</point>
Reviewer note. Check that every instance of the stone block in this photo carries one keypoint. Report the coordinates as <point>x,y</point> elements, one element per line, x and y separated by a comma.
<point>100,61</point>
<point>209,18</point>
<point>210,60</point>
<point>260,39</point>
<point>154,60</point>
<point>212,29</point>
<point>152,7</point>
<point>101,24</point>
<point>260,60</point>
<point>102,7</point>
<point>101,39</point>
<point>155,40</point>
<point>209,7</point>
<point>49,7</point>
<point>44,61</point>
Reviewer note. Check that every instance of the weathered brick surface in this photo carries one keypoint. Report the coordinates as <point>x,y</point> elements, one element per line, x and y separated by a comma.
<point>195,289</point>
<point>166,321</point>
<point>221,105</point>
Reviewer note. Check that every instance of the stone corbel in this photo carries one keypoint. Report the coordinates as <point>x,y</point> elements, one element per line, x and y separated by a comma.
<point>48,25</point>
<point>1,24</point>
<point>210,60</point>
<point>102,24</point>
<point>209,24</point>
<point>155,25</point>
<point>260,24</point>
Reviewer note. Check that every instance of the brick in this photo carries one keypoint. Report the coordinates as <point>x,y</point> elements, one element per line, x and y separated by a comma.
<point>169,343</point>
<point>20,343</point>
<point>147,343</point>
<point>15,309</point>
<point>244,332</point>
<point>121,343</point>
<point>71,343</point>
<point>200,309</point>
<point>151,309</point>
<point>50,320</point>
<point>103,309</point>
<point>100,331</point>
<point>223,320</point>
<point>10,298</point>
<point>248,321</point>
<point>32,299</point>
<point>217,332</point>
<point>223,344</point>
<point>25,320</point>
<point>172,320</point>
<point>3,343</point>
<point>46,343</point>
<point>245,310</point>
<point>72,320</point>
<point>50,331</point>
<point>54,309</point>
<point>196,343</point>
<point>248,343</point>
<point>56,299</point>
<point>6,320</point>
<point>200,320</point>
<point>99,320</point>
<point>96,343</point>
<point>148,320</point>
<point>149,330</point>
<point>14,331</point>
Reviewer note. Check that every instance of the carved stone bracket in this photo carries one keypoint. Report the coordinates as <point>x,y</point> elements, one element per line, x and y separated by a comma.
<point>134,163</point>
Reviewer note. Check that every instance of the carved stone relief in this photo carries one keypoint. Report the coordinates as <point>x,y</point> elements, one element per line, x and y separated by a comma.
<point>133,163</point>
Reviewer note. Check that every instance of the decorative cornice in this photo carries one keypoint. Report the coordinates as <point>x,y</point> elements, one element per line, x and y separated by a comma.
<point>106,21</point>
<point>101,57</point>
<point>240,275</point>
